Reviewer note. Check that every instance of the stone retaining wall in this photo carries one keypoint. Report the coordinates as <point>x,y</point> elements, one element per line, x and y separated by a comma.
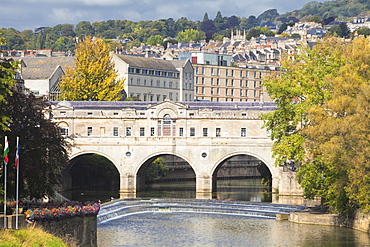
<point>361,221</point>
<point>81,228</point>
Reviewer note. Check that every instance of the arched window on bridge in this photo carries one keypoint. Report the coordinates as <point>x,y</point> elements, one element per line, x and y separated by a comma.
<point>167,127</point>
<point>63,128</point>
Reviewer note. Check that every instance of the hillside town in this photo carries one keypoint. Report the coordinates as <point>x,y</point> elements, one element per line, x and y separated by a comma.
<point>229,70</point>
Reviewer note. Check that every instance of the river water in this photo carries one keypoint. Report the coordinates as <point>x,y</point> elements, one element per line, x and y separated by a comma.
<point>202,229</point>
<point>207,229</point>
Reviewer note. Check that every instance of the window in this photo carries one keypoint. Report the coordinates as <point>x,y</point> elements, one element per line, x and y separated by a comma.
<point>202,70</point>
<point>241,73</point>
<point>115,131</point>
<point>151,131</point>
<point>232,72</point>
<point>196,70</point>
<point>89,113</point>
<point>218,81</point>
<point>142,131</point>
<point>205,132</point>
<point>211,71</point>
<point>211,81</point>
<point>128,131</point>
<point>89,131</point>
<point>218,132</point>
<point>64,131</point>
<point>115,113</point>
<point>226,72</point>
<point>202,80</point>
<point>191,114</point>
<point>243,132</point>
<point>169,126</point>
<point>218,71</point>
<point>192,131</point>
<point>181,131</point>
<point>63,113</point>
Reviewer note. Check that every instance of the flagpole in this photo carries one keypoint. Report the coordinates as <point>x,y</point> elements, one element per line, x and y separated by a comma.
<point>17,190</point>
<point>5,195</point>
<point>6,151</point>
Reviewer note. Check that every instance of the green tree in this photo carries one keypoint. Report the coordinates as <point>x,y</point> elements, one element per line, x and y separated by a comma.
<point>219,21</point>
<point>322,121</point>
<point>156,170</point>
<point>363,31</point>
<point>155,40</point>
<point>93,76</point>
<point>340,30</point>
<point>8,68</point>
<point>43,152</point>
<point>190,35</point>
<point>84,28</point>
<point>315,18</point>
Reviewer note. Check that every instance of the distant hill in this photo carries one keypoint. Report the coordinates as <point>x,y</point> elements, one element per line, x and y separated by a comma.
<point>341,9</point>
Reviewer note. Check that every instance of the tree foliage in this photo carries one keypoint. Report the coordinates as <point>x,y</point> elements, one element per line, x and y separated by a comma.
<point>43,152</point>
<point>8,69</point>
<point>190,35</point>
<point>156,170</point>
<point>322,121</point>
<point>94,76</point>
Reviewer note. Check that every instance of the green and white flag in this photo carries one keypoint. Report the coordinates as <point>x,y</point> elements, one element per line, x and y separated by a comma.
<point>6,151</point>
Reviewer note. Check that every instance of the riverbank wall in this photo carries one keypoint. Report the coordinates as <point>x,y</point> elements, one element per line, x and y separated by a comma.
<point>359,221</point>
<point>81,229</point>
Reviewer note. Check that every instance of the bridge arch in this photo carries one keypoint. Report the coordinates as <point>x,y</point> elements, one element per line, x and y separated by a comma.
<point>268,174</point>
<point>146,161</point>
<point>274,171</point>
<point>90,170</point>
<point>153,156</point>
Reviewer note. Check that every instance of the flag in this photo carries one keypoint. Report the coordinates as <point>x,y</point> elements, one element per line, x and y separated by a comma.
<point>6,151</point>
<point>16,163</point>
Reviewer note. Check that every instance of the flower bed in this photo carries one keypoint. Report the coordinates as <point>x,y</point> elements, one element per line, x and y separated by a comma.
<point>60,211</point>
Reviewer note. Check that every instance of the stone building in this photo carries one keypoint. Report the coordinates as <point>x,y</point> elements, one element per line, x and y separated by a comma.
<point>226,83</point>
<point>155,79</point>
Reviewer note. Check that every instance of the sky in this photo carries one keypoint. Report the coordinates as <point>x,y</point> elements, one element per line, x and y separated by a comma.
<point>31,14</point>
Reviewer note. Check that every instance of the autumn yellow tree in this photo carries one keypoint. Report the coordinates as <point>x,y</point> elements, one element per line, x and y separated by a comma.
<point>323,121</point>
<point>93,76</point>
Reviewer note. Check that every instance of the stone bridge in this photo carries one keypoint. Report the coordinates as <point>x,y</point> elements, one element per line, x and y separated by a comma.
<point>204,134</point>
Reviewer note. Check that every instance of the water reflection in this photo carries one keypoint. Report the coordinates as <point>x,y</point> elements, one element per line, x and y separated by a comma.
<point>189,229</point>
<point>236,189</point>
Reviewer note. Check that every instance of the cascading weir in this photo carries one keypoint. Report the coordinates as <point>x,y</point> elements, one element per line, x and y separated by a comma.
<point>121,208</point>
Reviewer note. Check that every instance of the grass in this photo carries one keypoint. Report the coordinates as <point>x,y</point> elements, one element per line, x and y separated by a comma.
<point>31,237</point>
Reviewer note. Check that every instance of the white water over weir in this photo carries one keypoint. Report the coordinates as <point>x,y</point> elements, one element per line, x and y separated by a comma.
<point>125,207</point>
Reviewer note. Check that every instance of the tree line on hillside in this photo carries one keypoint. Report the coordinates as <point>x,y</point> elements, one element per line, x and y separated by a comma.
<point>62,37</point>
